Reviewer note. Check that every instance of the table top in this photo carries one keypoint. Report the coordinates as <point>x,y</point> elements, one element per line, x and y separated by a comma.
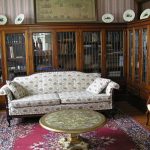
<point>72,121</point>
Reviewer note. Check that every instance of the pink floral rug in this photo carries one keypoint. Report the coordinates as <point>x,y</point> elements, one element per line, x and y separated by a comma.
<point>120,132</point>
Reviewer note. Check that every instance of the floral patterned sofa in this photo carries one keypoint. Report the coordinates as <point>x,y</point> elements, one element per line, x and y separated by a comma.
<point>51,91</point>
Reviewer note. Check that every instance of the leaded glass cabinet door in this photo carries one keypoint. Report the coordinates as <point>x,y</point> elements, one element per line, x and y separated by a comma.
<point>130,53</point>
<point>16,55</point>
<point>92,51</point>
<point>66,50</point>
<point>114,54</point>
<point>43,50</point>
<point>136,55</point>
<point>144,55</point>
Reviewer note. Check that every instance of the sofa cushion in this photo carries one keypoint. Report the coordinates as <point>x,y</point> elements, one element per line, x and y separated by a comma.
<point>36,100</point>
<point>82,97</point>
<point>4,90</point>
<point>17,90</point>
<point>98,85</point>
<point>83,80</point>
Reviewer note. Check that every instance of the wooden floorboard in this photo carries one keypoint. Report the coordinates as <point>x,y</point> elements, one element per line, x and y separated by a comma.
<point>134,112</point>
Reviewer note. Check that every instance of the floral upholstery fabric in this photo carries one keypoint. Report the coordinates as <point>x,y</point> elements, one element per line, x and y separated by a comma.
<point>17,90</point>
<point>36,100</point>
<point>33,83</point>
<point>82,97</point>
<point>83,80</point>
<point>47,109</point>
<point>67,81</point>
<point>51,91</point>
<point>5,90</point>
<point>98,85</point>
<point>112,85</point>
<point>50,82</point>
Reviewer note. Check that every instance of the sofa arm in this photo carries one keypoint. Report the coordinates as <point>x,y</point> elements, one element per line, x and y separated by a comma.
<point>4,90</point>
<point>112,85</point>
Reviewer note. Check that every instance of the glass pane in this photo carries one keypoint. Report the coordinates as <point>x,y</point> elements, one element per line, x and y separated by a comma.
<point>1,75</point>
<point>16,56</point>
<point>114,54</point>
<point>66,50</point>
<point>92,51</point>
<point>136,75</point>
<point>130,52</point>
<point>144,54</point>
<point>42,46</point>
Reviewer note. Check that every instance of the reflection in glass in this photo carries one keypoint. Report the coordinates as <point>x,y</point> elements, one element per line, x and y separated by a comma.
<point>114,54</point>
<point>42,46</point>
<point>92,51</point>
<point>16,56</point>
<point>136,55</point>
<point>130,52</point>
<point>66,50</point>
<point>144,54</point>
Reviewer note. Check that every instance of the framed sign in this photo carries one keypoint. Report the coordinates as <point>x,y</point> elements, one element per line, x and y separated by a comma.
<point>65,10</point>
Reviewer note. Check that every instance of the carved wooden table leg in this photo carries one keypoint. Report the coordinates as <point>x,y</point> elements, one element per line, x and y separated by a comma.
<point>74,138</point>
<point>73,142</point>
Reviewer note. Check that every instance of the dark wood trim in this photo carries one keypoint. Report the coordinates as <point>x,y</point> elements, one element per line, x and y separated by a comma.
<point>139,10</point>
<point>103,56</point>
<point>143,1</point>
<point>35,11</point>
<point>96,10</point>
<point>79,51</point>
<point>125,53</point>
<point>55,51</point>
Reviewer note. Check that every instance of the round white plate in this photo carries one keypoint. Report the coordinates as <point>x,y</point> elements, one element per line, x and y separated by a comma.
<point>107,18</point>
<point>129,15</point>
<point>19,19</point>
<point>3,19</point>
<point>145,14</point>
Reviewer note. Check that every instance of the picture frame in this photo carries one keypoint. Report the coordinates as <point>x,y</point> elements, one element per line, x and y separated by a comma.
<point>64,11</point>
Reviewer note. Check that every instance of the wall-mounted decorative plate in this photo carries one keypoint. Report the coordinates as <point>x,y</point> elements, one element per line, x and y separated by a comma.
<point>107,18</point>
<point>129,15</point>
<point>19,19</point>
<point>3,19</point>
<point>145,14</point>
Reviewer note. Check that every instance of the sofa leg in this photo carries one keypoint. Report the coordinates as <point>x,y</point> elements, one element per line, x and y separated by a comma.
<point>147,117</point>
<point>8,120</point>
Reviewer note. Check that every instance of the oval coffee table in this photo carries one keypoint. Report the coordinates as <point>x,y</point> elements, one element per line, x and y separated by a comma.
<point>72,122</point>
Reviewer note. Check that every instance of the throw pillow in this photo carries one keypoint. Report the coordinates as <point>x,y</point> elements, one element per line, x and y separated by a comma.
<point>98,85</point>
<point>17,90</point>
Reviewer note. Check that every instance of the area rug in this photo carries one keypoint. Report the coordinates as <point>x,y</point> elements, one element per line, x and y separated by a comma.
<point>120,132</point>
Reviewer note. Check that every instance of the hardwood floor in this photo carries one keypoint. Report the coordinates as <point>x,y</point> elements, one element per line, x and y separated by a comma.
<point>134,112</point>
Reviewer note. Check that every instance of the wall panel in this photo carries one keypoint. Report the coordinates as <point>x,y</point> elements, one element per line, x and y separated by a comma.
<point>146,5</point>
<point>115,7</point>
<point>11,8</point>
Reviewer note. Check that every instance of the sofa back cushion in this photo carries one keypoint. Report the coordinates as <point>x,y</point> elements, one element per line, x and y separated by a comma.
<point>33,83</point>
<point>50,82</point>
<point>17,90</point>
<point>66,81</point>
<point>98,85</point>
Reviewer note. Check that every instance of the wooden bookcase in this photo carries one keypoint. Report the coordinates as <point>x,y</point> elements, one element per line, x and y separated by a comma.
<point>120,51</point>
<point>138,58</point>
<point>87,47</point>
